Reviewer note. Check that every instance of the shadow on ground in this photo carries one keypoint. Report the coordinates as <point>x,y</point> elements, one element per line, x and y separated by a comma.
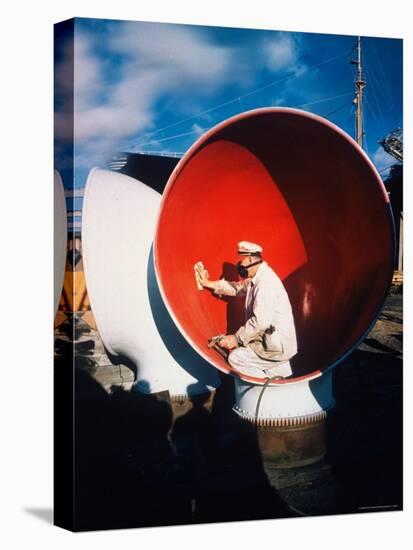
<point>136,467</point>
<point>137,464</point>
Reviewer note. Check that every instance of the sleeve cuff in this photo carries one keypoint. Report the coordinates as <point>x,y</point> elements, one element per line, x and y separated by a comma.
<point>239,338</point>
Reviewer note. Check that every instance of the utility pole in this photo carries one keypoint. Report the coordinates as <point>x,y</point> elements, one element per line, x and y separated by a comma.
<point>358,100</point>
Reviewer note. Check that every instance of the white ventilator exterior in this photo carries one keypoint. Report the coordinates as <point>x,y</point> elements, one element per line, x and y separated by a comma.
<point>118,225</point>
<point>60,239</point>
<point>295,403</point>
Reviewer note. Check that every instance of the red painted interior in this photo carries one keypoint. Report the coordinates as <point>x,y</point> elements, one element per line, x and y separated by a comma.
<point>301,188</point>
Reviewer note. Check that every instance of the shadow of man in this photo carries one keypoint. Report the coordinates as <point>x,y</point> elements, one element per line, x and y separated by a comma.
<point>226,478</point>
<point>124,464</point>
<point>235,304</point>
<point>193,439</point>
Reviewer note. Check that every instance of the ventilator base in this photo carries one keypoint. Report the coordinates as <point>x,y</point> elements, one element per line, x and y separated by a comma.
<point>290,418</point>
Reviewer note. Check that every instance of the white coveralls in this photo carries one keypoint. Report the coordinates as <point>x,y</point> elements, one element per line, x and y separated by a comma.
<point>266,305</point>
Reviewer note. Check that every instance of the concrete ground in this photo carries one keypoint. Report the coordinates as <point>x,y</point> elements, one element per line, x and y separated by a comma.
<point>364,445</point>
<point>137,466</point>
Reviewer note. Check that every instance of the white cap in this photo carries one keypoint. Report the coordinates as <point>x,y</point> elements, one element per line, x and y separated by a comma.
<point>246,248</point>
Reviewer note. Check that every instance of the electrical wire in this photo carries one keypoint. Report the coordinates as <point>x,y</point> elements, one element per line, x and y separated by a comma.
<point>229,102</point>
<point>371,88</point>
<point>323,100</point>
<point>331,98</point>
<point>386,84</point>
<point>370,107</point>
<point>171,137</point>
<point>338,109</point>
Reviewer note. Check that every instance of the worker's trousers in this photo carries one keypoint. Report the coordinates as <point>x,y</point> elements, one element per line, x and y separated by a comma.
<point>246,361</point>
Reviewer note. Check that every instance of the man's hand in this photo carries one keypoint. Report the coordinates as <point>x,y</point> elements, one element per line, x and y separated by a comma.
<point>228,342</point>
<point>202,275</point>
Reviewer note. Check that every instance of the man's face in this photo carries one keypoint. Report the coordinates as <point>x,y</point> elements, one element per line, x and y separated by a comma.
<point>247,260</point>
<point>244,263</point>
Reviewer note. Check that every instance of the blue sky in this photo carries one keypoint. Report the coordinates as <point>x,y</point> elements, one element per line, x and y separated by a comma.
<point>158,87</point>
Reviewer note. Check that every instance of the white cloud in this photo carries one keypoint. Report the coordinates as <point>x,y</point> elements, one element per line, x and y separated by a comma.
<point>179,66</point>
<point>182,54</point>
<point>88,73</point>
<point>156,60</point>
<point>198,129</point>
<point>305,87</point>
<point>383,161</point>
<point>281,53</point>
<point>115,109</point>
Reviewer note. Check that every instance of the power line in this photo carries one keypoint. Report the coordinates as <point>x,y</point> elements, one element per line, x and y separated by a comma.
<point>339,109</point>
<point>171,137</point>
<point>371,110</point>
<point>380,66</point>
<point>295,74</point>
<point>324,100</point>
<point>371,78</point>
<point>229,102</point>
